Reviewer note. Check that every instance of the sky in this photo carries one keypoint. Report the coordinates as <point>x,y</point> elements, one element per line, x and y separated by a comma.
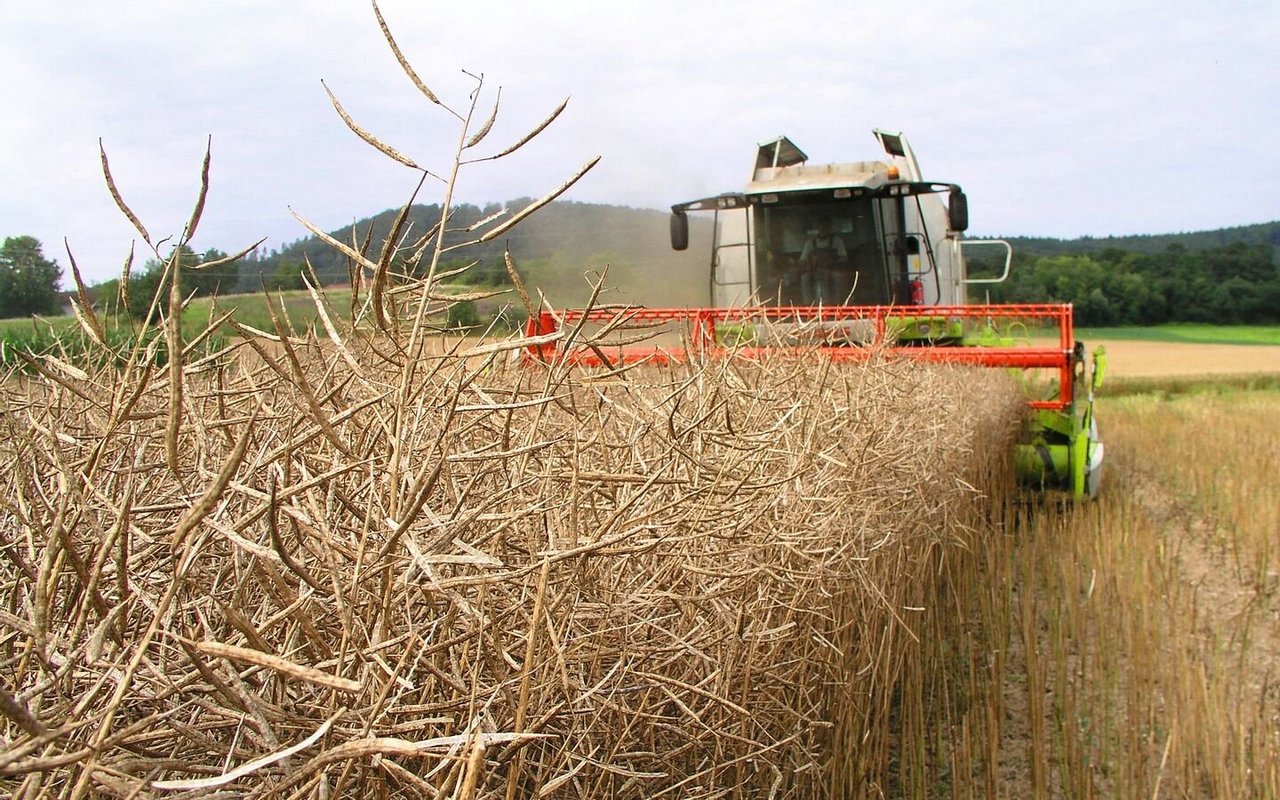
<point>1063,119</point>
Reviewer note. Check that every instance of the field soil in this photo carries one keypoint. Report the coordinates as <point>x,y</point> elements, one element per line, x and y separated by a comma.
<point>1132,359</point>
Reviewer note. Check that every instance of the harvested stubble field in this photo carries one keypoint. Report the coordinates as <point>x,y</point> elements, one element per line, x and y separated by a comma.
<point>385,567</point>
<point>1147,359</point>
<point>1147,625</point>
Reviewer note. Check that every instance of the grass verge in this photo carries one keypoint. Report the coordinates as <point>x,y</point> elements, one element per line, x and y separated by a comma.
<point>1187,333</point>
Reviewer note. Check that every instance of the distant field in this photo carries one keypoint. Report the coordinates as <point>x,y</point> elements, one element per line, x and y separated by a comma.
<point>1186,351</point>
<point>251,309</point>
<point>23,325</point>
<point>1188,334</point>
<point>248,309</point>
<point>1146,359</point>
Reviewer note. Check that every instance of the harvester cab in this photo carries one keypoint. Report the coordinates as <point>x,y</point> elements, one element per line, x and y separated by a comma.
<point>857,233</point>
<point>852,259</point>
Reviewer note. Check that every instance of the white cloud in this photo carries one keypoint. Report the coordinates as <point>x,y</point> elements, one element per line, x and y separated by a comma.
<point>1086,118</point>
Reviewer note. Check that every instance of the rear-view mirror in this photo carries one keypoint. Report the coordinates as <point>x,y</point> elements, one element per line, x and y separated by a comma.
<point>679,230</point>
<point>958,211</point>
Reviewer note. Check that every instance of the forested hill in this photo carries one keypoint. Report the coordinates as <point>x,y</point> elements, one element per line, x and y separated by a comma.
<point>1226,276</point>
<point>1266,233</point>
<point>587,235</point>
<point>555,249</point>
<point>1229,275</point>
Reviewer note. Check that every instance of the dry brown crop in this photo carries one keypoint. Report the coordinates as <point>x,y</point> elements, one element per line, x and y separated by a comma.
<point>384,560</point>
<point>433,573</point>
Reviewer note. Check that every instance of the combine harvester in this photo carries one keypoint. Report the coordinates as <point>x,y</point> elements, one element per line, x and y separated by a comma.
<point>852,259</point>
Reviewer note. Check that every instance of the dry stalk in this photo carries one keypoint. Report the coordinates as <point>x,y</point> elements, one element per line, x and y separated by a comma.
<point>521,579</point>
<point>665,579</point>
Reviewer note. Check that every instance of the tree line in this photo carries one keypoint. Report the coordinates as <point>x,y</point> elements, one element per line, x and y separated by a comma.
<point>30,283</point>
<point>28,280</point>
<point>1263,233</point>
<point>1235,284</point>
